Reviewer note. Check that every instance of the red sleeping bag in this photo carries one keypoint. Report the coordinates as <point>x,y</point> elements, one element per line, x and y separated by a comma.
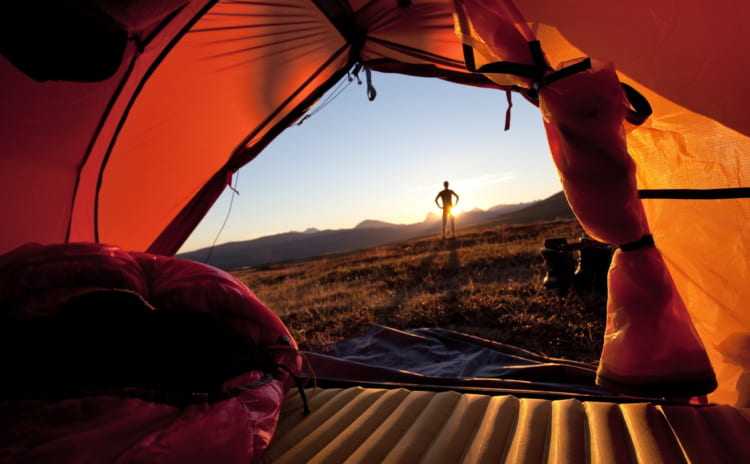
<point>114,356</point>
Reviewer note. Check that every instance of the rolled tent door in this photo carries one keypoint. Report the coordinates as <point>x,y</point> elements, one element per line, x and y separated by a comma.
<point>651,346</point>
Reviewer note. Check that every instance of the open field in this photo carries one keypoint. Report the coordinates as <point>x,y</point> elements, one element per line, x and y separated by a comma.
<point>487,282</point>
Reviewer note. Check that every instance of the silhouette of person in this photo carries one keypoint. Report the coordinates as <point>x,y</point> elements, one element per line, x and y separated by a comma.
<point>446,196</point>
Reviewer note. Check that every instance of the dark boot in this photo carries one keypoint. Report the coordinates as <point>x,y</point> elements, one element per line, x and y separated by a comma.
<point>593,266</point>
<point>560,266</point>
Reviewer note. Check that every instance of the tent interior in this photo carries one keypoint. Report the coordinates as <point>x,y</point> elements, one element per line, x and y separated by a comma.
<point>643,103</point>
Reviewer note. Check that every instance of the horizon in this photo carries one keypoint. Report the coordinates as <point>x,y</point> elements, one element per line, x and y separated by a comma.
<point>431,215</point>
<point>385,160</point>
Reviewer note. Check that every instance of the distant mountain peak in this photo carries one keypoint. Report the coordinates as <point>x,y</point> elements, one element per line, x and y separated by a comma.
<point>431,217</point>
<point>373,224</point>
<point>311,230</point>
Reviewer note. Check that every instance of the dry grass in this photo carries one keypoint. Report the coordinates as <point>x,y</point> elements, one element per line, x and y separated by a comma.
<point>487,282</point>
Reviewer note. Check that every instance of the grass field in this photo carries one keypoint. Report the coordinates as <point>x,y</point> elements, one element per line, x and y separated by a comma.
<point>487,282</point>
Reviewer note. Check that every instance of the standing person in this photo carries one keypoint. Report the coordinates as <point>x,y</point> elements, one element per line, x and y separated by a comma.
<point>446,196</point>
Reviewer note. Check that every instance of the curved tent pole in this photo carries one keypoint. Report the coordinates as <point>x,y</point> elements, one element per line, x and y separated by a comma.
<point>341,15</point>
<point>172,237</point>
<point>140,43</point>
<point>89,149</point>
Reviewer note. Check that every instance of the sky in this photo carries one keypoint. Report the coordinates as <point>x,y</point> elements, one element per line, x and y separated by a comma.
<point>386,159</point>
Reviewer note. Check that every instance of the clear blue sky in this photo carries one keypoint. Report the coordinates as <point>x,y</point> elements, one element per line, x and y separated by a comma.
<point>386,160</point>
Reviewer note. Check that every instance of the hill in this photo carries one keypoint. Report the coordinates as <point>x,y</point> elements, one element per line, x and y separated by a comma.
<point>373,224</point>
<point>554,207</point>
<point>369,233</point>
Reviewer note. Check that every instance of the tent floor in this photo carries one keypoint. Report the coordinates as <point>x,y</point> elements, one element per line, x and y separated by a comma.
<point>358,425</point>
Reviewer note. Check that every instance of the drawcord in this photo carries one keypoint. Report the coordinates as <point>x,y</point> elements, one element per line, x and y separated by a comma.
<point>300,387</point>
<point>235,192</point>
<point>507,112</point>
<point>285,343</point>
<point>340,87</point>
<point>371,93</point>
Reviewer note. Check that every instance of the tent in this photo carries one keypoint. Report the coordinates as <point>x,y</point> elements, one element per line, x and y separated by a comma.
<point>124,121</point>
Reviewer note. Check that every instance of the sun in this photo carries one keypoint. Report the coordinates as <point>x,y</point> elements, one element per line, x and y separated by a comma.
<point>461,208</point>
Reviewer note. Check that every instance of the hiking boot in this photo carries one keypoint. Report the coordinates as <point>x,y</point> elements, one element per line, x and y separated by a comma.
<point>593,265</point>
<point>560,266</point>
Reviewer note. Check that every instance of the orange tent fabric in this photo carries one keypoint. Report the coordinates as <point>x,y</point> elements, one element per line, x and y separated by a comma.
<point>135,154</point>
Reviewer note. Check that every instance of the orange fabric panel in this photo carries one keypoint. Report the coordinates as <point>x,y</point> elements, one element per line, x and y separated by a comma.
<point>705,243</point>
<point>675,147</point>
<point>220,83</point>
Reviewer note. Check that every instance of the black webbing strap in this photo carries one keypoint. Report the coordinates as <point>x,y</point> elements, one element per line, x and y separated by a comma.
<point>532,71</point>
<point>471,64</point>
<point>640,109</point>
<point>696,194</point>
<point>507,67</point>
<point>507,111</point>
<point>535,47</point>
<point>577,67</point>
<point>647,241</point>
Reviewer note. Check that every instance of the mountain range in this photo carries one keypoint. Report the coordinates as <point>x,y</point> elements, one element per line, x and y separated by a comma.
<point>314,242</point>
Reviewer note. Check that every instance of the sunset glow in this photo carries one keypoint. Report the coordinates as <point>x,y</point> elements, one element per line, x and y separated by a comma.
<point>461,208</point>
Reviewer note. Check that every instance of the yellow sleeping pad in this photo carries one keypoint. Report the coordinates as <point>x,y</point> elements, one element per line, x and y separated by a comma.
<point>372,425</point>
